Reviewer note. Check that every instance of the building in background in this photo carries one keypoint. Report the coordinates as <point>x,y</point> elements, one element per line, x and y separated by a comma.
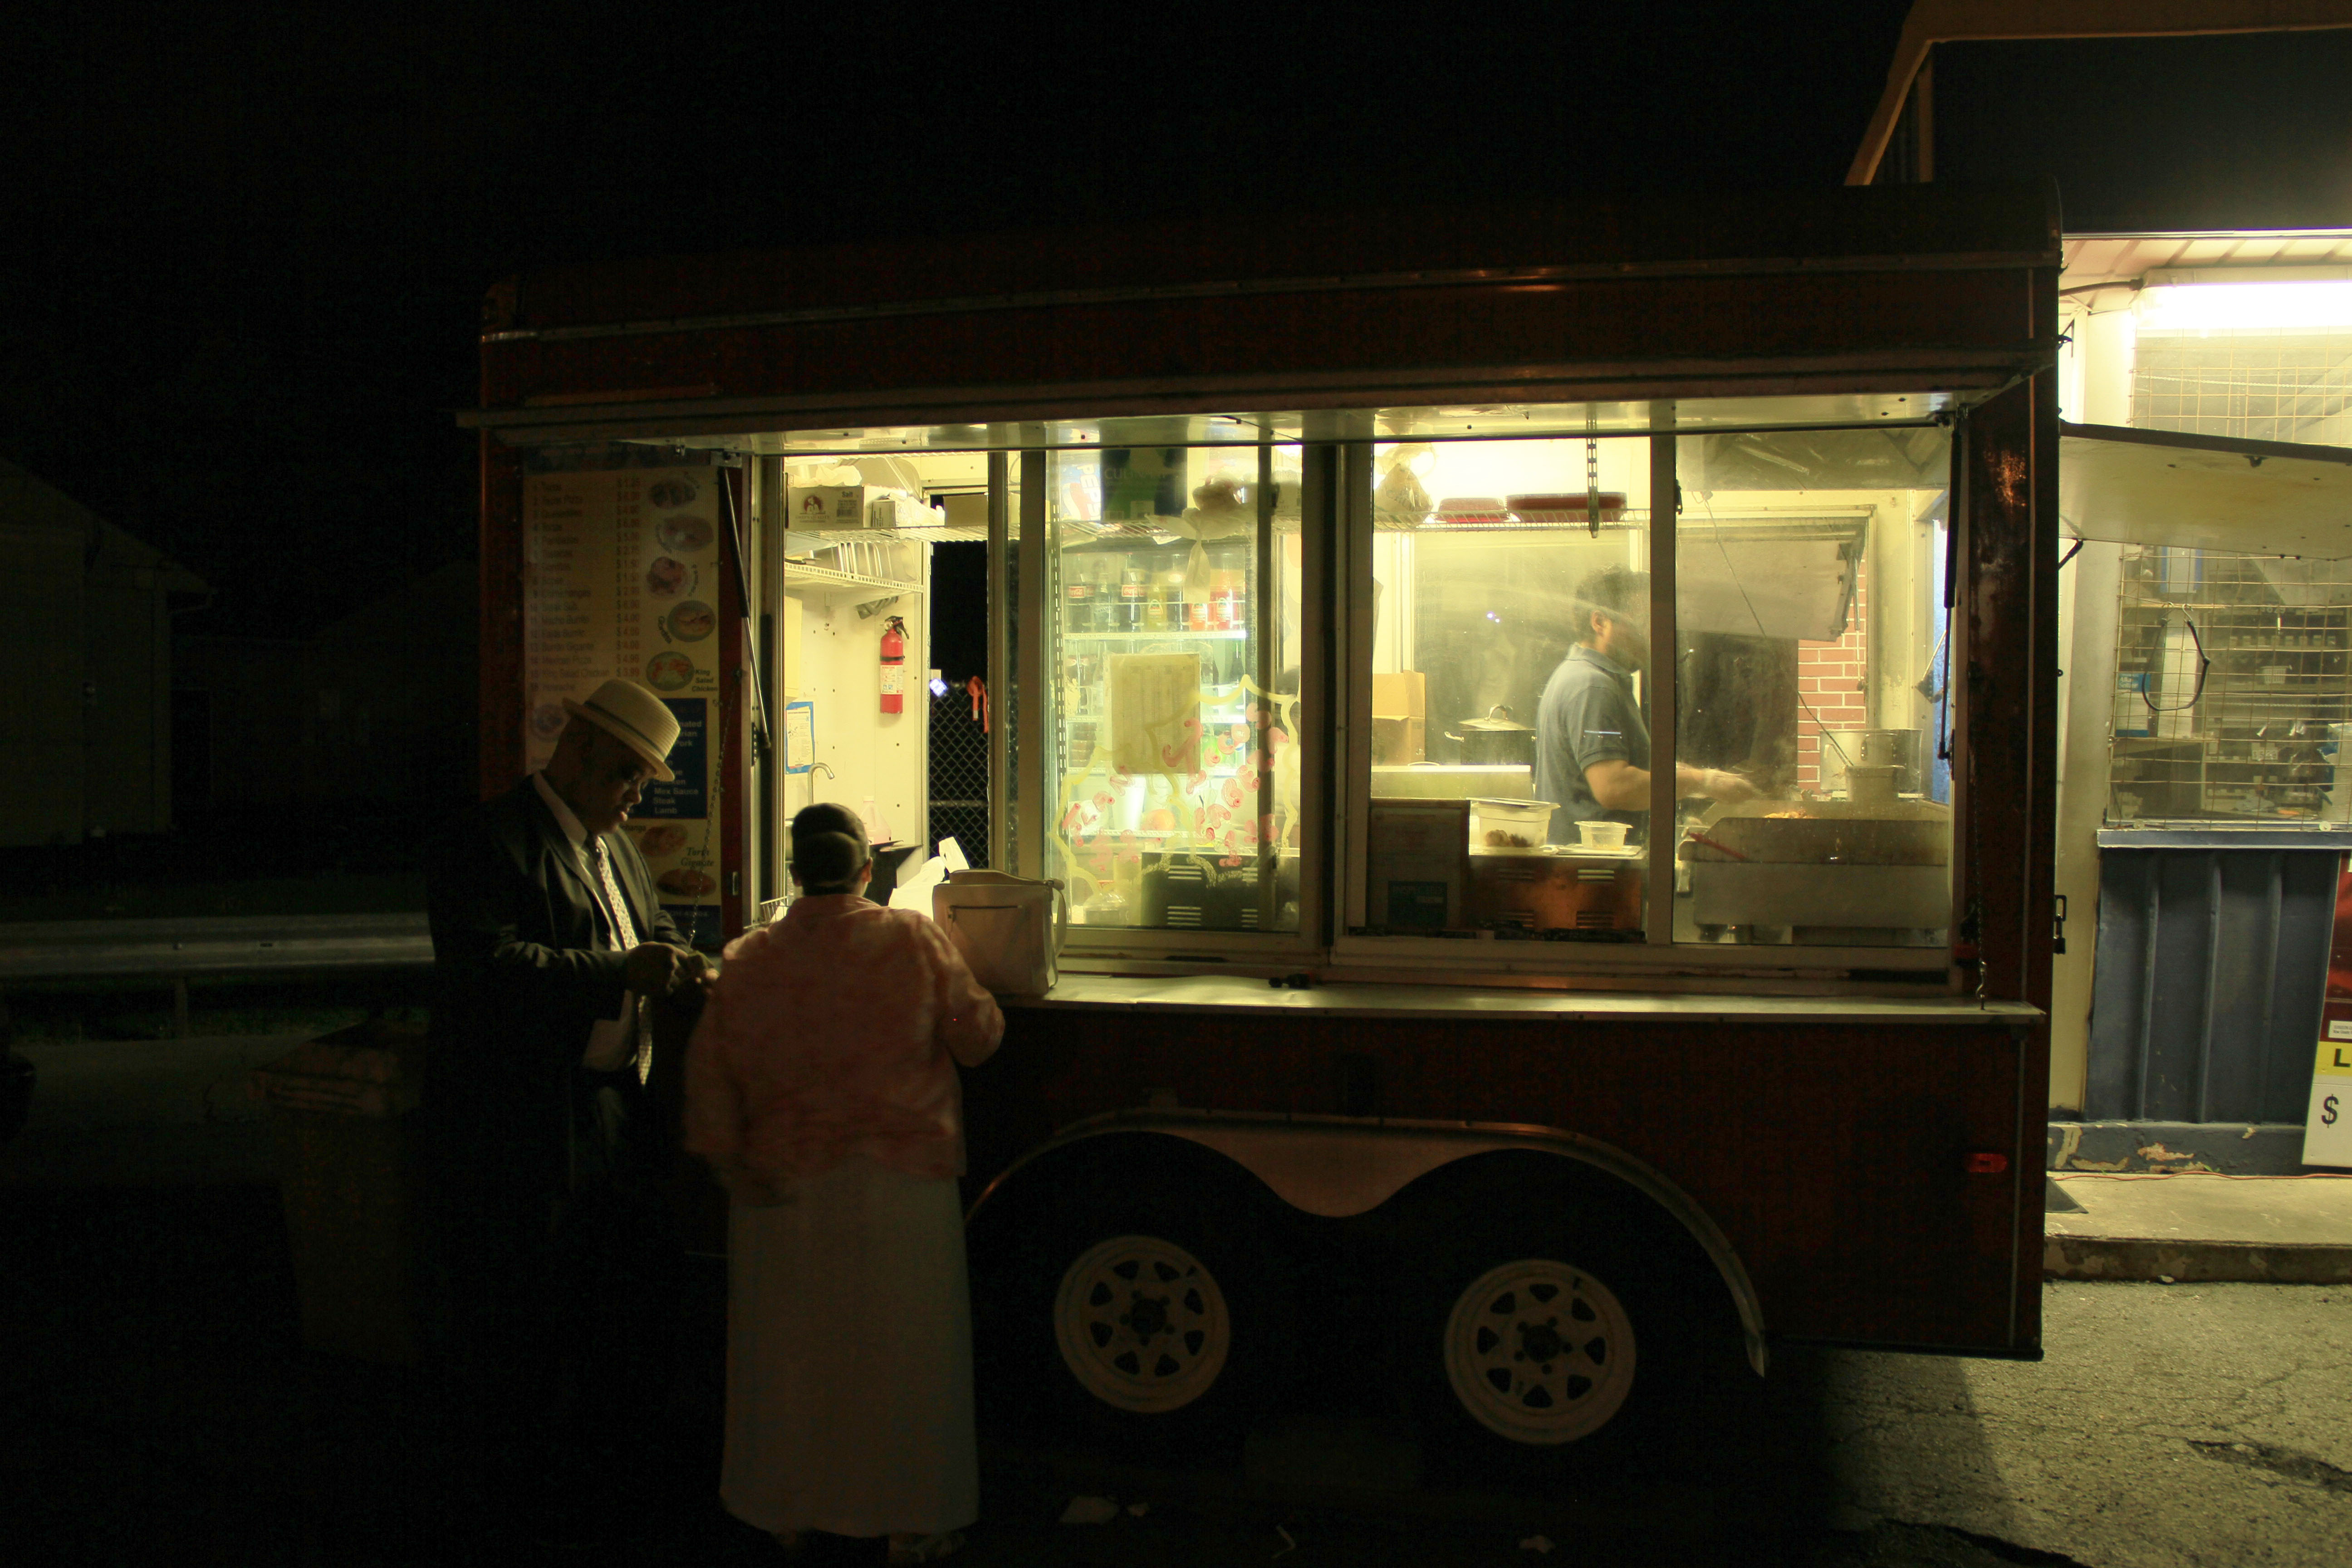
<point>2204,803</point>
<point>86,638</point>
<point>376,706</point>
<point>2206,599</point>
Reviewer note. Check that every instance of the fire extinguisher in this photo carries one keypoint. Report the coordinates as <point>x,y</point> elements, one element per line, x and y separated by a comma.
<point>894,666</point>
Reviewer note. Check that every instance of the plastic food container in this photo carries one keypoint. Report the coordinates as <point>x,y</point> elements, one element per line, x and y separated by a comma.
<point>1520,825</point>
<point>1601,835</point>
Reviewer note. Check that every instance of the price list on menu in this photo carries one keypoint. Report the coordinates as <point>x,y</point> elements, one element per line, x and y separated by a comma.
<point>620,578</point>
<point>569,599</point>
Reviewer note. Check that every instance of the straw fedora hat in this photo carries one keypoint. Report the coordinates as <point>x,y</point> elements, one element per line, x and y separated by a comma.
<point>634,716</point>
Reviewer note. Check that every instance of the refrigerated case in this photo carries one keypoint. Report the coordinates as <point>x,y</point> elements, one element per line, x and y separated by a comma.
<point>1173,574</point>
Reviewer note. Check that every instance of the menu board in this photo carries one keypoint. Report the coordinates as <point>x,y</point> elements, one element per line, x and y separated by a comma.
<point>621,578</point>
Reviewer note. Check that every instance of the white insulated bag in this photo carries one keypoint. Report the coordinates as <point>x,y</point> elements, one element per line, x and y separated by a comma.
<point>1009,928</point>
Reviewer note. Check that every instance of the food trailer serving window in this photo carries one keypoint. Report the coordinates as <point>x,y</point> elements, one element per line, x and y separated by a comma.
<point>1523,641</point>
<point>1513,654</point>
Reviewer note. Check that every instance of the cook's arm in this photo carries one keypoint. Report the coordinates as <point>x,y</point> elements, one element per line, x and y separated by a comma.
<point>1618,785</point>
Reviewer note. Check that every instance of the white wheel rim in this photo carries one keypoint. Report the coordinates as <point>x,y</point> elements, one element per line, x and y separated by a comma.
<point>1539,1352</point>
<point>1141,1324</point>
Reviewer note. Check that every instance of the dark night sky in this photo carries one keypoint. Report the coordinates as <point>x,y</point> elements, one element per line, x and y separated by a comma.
<point>242,289</point>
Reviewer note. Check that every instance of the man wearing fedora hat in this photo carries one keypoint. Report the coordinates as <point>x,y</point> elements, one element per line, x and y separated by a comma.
<point>547,946</point>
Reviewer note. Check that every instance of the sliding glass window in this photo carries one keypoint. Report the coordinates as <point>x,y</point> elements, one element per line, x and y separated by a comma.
<point>1509,705</point>
<point>1813,664</point>
<point>1513,676</point>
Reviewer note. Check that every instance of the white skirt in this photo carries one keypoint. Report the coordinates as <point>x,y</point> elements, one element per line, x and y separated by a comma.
<point>849,1358</point>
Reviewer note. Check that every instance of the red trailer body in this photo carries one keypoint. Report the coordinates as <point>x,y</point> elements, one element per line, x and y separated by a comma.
<point>1839,1149</point>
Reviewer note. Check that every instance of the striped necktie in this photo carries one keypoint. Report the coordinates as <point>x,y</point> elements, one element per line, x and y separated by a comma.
<point>625,935</point>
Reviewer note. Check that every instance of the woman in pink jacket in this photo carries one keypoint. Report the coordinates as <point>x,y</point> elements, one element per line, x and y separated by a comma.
<point>821,1086</point>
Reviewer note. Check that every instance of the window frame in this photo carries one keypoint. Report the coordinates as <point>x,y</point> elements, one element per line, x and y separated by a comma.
<point>1336,634</point>
<point>1141,949</point>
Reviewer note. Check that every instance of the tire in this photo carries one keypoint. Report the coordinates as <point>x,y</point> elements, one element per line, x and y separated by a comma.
<point>1540,1352</point>
<point>1149,1318</point>
<point>1543,1346</point>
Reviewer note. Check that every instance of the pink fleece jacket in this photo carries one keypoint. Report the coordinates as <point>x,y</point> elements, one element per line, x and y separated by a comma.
<point>831,1033</point>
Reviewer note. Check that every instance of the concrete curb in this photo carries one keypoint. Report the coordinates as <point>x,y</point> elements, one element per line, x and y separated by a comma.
<point>2184,1262</point>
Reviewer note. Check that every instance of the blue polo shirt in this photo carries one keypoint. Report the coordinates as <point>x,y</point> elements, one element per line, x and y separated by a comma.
<point>1587,715</point>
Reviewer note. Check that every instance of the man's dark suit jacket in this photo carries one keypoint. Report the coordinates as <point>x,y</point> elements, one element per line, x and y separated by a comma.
<point>518,980</point>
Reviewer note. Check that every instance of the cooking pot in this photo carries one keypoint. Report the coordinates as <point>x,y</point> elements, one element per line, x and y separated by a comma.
<point>1496,741</point>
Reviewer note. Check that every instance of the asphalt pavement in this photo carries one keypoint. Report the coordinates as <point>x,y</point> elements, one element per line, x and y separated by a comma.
<point>156,1406</point>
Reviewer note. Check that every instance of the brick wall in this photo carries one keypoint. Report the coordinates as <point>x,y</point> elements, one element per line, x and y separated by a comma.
<point>1831,678</point>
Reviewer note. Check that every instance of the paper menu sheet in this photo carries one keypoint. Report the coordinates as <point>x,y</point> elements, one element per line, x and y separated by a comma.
<point>1155,713</point>
<point>800,737</point>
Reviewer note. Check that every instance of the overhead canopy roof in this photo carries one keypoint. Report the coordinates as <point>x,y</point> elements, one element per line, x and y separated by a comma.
<point>2205,493</point>
<point>2107,269</point>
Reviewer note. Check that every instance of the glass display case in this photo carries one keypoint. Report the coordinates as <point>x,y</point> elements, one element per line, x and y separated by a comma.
<point>1174,716</point>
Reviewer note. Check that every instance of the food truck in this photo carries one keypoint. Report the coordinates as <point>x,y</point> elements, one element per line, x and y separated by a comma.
<point>1541,718</point>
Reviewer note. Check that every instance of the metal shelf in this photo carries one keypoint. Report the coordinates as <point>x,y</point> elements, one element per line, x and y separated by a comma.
<point>824,582</point>
<point>1164,633</point>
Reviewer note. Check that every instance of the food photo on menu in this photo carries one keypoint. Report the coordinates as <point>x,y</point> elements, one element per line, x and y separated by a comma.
<point>675,491</point>
<point>685,534</point>
<point>656,840</point>
<point>692,621</point>
<point>666,578</point>
<point>686,882</point>
<point>668,671</point>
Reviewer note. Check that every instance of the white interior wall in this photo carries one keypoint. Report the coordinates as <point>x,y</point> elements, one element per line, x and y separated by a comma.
<point>834,661</point>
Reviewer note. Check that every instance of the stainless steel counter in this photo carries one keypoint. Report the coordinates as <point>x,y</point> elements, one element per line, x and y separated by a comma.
<point>1233,993</point>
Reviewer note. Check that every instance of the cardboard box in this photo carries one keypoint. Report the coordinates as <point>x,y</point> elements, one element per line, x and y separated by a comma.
<point>1400,718</point>
<point>826,509</point>
<point>896,510</point>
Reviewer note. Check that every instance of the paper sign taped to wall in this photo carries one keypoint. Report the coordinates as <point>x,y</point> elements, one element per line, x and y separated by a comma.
<point>1155,713</point>
<point>800,737</point>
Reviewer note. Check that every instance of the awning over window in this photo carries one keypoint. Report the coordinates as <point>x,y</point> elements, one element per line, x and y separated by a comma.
<point>2204,492</point>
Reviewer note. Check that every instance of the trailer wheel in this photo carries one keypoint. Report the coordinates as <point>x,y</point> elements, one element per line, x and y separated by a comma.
<point>1150,1319</point>
<point>1544,1347</point>
<point>1142,1325</point>
<point>1540,1352</point>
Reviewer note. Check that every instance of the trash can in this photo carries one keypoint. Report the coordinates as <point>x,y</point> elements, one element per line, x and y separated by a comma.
<point>343,1112</point>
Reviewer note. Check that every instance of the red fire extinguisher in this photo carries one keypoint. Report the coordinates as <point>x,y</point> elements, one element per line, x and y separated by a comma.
<point>894,666</point>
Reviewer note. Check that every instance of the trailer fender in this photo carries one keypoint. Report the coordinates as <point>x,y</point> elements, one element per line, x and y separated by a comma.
<point>1336,1166</point>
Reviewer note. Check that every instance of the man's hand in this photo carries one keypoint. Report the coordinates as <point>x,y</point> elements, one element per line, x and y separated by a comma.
<point>654,967</point>
<point>696,974</point>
